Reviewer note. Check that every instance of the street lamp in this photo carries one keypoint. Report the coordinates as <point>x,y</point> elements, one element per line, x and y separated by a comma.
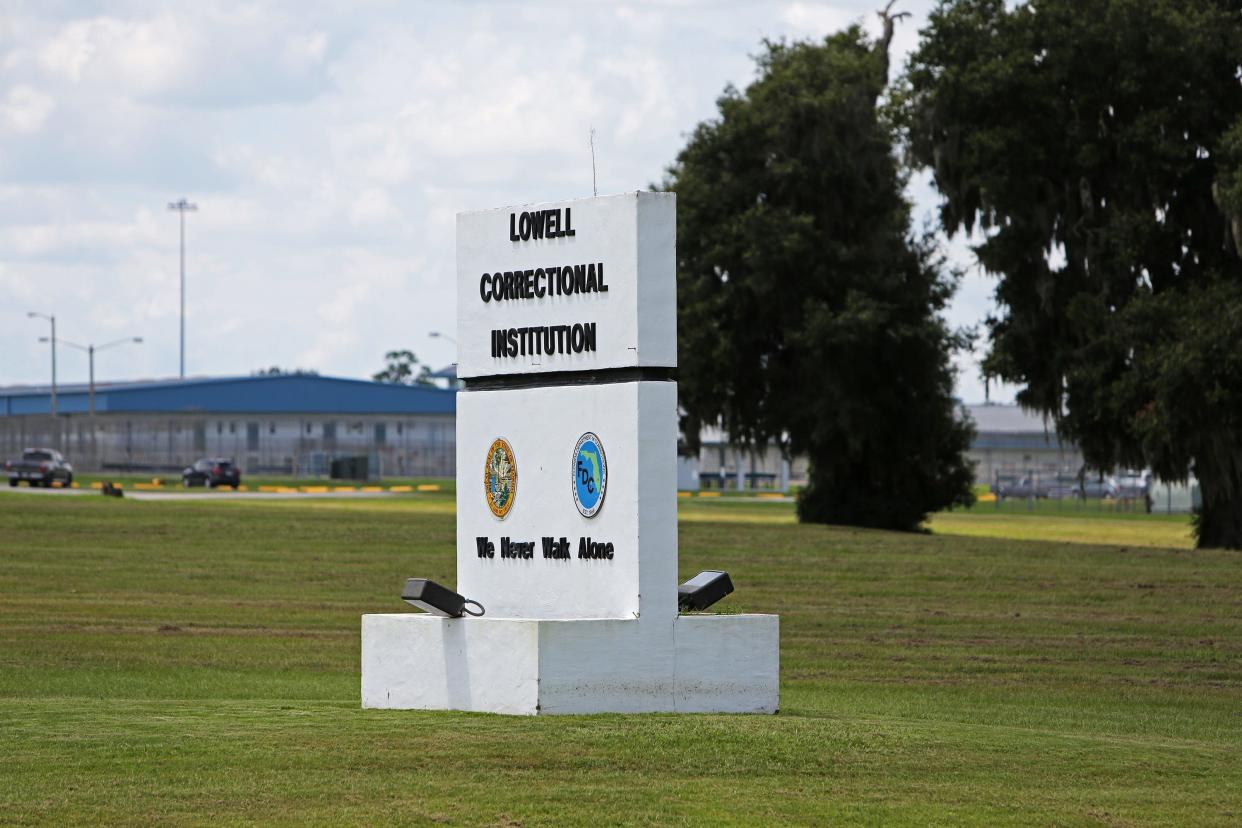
<point>52,319</point>
<point>90,350</point>
<point>182,207</point>
<point>438,335</point>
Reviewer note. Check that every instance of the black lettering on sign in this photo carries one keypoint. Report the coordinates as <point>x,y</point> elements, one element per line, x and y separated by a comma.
<point>486,548</point>
<point>556,549</point>
<point>557,223</point>
<point>566,280</point>
<point>538,340</point>
<point>516,549</point>
<point>591,549</point>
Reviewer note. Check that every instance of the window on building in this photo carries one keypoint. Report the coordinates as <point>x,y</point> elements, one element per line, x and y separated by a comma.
<point>271,428</point>
<point>310,427</point>
<point>200,436</point>
<point>400,430</point>
<point>381,434</point>
<point>252,436</point>
<point>219,428</point>
<point>232,428</point>
<point>329,430</point>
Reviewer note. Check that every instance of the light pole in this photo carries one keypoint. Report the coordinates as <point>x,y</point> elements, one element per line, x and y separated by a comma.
<point>438,335</point>
<point>52,319</point>
<point>182,207</point>
<point>90,350</point>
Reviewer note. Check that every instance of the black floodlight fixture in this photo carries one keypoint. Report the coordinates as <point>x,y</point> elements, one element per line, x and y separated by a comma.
<point>437,599</point>
<point>703,590</point>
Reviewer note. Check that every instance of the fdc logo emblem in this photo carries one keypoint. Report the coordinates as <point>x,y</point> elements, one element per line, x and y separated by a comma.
<point>590,474</point>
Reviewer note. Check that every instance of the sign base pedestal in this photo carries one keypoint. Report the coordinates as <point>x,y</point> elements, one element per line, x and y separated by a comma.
<point>685,664</point>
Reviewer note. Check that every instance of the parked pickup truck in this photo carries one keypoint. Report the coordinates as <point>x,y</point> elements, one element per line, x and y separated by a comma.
<point>39,467</point>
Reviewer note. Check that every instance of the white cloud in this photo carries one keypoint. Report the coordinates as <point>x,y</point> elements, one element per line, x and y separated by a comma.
<point>372,206</point>
<point>68,53</point>
<point>198,56</point>
<point>25,109</point>
<point>818,19</point>
<point>136,57</point>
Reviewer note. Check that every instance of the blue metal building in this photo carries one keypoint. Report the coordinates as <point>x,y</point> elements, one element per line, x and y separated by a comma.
<point>290,424</point>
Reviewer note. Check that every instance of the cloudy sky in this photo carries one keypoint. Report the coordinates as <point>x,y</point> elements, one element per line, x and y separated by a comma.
<point>328,146</point>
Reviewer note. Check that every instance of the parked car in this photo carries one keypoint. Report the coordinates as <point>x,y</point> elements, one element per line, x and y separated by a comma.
<point>1090,488</point>
<point>39,467</point>
<point>1093,488</point>
<point>1064,487</point>
<point>1132,485</point>
<point>212,472</point>
<point>1023,487</point>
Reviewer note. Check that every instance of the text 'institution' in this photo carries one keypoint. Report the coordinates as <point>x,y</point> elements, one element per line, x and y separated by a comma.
<point>538,340</point>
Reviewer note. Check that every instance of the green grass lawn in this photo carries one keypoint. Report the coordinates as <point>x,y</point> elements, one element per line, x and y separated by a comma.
<point>197,662</point>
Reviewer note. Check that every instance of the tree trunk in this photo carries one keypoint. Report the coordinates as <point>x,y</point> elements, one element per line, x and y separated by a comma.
<point>888,21</point>
<point>1219,522</point>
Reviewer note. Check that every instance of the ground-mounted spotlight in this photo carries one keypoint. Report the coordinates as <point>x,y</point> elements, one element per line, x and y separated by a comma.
<point>437,599</point>
<point>703,590</point>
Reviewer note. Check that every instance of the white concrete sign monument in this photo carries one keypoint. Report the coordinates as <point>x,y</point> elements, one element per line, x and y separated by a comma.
<point>566,486</point>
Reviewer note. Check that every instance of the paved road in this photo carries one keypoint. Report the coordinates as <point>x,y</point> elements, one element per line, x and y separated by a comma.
<point>219,496</point>
<point>34,491</point>
<point>227,496</point>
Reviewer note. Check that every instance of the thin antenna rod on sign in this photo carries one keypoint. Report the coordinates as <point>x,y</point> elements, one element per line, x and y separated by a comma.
<point>591,141</point>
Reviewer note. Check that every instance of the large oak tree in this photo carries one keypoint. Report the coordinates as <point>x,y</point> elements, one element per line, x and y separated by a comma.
<point>1096,144</point>
<point>809,315</point>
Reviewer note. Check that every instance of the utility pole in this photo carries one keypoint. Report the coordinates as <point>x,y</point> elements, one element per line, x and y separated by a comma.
<point>90,351</point>
<point>182,207</point>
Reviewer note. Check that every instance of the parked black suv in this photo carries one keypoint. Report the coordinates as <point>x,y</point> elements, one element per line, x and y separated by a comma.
<point>212,472</point>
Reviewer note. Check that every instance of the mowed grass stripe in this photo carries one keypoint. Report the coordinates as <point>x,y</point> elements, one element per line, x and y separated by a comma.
<point>198,662</point>
<point>1160,531</point>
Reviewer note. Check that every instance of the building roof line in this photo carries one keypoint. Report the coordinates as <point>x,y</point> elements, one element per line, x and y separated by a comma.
<point>130,385</point>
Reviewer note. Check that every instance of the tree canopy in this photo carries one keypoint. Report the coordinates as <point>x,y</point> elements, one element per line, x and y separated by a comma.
<point>277,371</point>
<point>1097,145</point>
<point>808,312</point>
<point>403,368</point>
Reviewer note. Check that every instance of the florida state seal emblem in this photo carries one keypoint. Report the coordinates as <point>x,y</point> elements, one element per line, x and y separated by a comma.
<point>500,477</point>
